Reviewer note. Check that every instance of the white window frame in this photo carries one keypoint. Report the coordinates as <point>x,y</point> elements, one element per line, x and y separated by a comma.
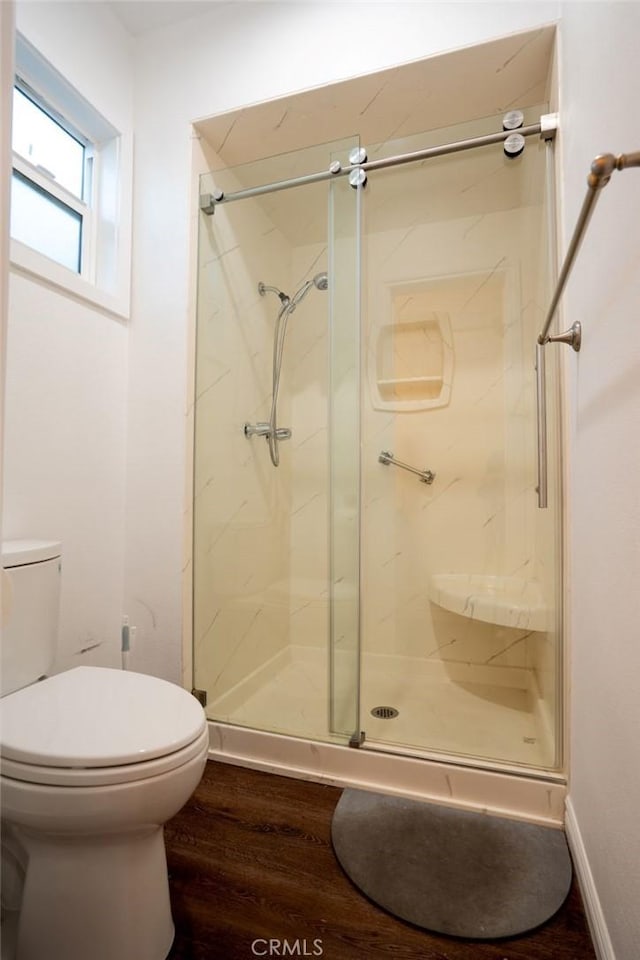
<point>104,280</point>
<point>84,206</point>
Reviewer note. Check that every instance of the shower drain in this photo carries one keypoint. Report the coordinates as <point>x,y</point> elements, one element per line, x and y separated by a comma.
<point>384,713</point>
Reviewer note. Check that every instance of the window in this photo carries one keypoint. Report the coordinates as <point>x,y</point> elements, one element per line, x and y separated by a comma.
<point>71,188</point>
<point>51,185</point>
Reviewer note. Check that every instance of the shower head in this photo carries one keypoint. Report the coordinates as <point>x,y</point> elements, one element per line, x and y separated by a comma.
<point>320,282</point>
<point>265,288</point>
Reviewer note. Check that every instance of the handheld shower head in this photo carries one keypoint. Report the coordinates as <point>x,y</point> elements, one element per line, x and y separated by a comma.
<point>270,430</point>
<point>320,282</point>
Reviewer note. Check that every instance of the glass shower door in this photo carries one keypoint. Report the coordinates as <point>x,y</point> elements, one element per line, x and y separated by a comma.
<point>344,461</point>
<point>275,587</point>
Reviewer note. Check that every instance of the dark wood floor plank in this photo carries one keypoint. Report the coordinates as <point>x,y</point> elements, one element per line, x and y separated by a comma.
<point>250,858</point>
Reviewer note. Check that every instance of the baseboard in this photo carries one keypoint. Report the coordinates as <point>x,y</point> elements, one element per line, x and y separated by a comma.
<point>592,905</point>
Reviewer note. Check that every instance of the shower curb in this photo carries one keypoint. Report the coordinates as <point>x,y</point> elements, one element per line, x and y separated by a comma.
<point>521,795</point>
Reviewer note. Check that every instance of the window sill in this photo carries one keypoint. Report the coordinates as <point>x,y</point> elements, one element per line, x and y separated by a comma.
<point>37,267</point>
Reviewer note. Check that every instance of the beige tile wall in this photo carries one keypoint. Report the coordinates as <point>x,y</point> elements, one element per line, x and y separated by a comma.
<point>478,516</point>
<point>241,503</point>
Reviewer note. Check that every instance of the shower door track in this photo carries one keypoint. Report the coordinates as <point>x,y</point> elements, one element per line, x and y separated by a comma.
<point>546,127</point>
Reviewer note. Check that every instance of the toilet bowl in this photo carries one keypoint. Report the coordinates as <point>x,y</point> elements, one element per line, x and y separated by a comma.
<point>94,762</point>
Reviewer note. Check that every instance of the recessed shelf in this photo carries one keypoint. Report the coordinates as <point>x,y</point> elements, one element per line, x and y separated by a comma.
<point>411,355</point>
<point>411,389</point>
<point>402,380</point>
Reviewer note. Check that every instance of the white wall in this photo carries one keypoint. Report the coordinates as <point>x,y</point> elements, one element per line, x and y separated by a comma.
<point>67,374</point>
<point>600,91</point>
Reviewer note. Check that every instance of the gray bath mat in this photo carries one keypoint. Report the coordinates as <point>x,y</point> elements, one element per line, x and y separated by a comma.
<point>452,871</point>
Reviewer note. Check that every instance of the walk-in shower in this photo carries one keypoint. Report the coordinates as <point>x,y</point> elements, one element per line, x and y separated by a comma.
<point>393,585</point>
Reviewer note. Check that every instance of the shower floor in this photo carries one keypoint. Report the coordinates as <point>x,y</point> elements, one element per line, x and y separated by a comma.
<point>442,707</point>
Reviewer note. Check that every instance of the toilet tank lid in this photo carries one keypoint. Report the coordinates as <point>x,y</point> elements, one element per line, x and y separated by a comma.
<point>19,553</point>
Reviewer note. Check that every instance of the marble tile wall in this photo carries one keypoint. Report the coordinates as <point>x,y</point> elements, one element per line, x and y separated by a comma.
<point>241,502</point>
<point>261,570</point>
<point>481,268</point>
<point>426,94</point>
<point>306,371</point>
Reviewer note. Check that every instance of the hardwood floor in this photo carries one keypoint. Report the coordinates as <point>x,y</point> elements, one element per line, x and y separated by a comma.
<point>250,861</point>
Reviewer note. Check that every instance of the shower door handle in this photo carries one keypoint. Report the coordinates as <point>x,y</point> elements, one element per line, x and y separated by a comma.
<point>541,418</point>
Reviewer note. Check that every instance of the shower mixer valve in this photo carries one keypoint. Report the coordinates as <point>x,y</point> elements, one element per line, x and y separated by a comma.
<point>263,429</point>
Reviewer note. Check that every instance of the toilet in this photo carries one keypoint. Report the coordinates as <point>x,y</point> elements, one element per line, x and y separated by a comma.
<point>94,761</point>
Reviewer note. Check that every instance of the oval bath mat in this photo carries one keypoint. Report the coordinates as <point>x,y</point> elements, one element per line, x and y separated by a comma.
<point>452,871</point>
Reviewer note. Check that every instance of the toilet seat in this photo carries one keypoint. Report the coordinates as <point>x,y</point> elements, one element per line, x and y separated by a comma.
<point>94,725</point>
<point>103,776</point>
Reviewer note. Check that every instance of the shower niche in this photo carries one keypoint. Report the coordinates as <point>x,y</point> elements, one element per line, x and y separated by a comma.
<point>411,359</point>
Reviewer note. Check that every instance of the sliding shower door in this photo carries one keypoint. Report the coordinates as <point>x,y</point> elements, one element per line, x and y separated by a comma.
<point>344,459</point>
<point>276,547</point>
<point>460,575</point>
<point>370,562</point>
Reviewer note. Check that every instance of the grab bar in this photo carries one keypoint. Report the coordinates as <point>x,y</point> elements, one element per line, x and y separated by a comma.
<point>601,170</point>
<point>426,476</point>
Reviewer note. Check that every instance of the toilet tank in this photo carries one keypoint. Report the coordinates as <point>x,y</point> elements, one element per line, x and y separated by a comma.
<point>30,611</point>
